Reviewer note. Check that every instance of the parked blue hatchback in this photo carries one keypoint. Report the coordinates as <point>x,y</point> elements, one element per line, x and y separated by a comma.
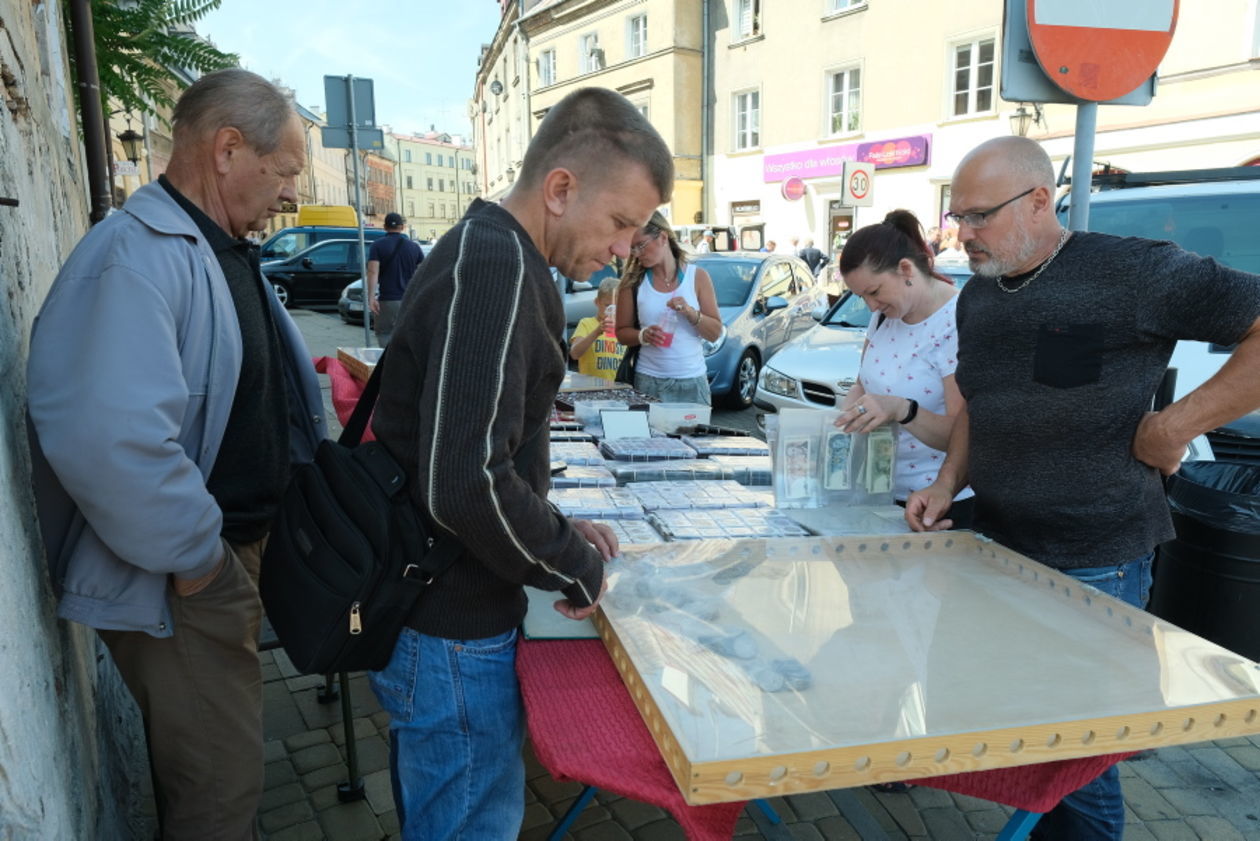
<point>766,300</point>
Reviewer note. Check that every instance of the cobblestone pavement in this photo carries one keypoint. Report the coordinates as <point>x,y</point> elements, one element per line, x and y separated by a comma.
<point>1204,792</point>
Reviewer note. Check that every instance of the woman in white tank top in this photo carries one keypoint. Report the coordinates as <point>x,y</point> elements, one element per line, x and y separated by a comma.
<point>667,307</point>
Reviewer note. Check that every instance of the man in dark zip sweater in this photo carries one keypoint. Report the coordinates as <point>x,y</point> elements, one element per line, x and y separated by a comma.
<point>466,397</point>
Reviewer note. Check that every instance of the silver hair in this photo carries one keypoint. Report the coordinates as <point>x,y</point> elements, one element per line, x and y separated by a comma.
<point>238,99</point>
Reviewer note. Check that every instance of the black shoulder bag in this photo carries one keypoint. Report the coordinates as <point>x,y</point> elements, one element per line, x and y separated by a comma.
<point>349,554</point>
<point>630,359</point>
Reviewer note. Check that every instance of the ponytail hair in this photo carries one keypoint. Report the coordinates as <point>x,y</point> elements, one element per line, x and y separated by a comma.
<point>882,247</point>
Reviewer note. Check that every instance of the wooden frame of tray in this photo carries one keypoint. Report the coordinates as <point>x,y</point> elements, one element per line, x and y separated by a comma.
<point>843,767</point>
<point>354,361</point>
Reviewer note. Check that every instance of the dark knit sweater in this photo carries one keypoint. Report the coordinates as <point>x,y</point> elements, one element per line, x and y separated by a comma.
<point>471,376</point>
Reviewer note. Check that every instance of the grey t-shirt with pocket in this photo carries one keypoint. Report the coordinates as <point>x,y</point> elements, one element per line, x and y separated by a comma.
<point>1057,377</point>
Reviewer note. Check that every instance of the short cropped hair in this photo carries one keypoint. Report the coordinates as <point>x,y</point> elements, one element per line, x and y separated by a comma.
<point>238,99</point>
<point>587,130</point>
<point>608,287</point>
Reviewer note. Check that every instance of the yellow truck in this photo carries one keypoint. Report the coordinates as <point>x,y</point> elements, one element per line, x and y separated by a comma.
<point>327,215</point>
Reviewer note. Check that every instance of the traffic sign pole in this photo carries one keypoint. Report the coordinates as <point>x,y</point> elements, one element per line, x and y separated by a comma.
<point>1082,165</point>
<point>358,206</point>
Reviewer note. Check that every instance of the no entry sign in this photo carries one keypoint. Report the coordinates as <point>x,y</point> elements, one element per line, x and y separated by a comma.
<point>1100,50</point>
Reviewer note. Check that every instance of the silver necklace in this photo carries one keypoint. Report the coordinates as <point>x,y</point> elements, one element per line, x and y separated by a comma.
<point>1063,238</point>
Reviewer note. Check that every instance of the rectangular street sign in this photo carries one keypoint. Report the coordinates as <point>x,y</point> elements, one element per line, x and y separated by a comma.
<point>339,138</point>
<point>337,102</point>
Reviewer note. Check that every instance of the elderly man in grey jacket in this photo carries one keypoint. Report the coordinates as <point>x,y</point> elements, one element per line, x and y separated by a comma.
<point>170,395</point>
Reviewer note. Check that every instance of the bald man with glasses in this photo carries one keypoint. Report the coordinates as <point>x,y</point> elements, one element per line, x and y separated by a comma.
<point>1063,338</point>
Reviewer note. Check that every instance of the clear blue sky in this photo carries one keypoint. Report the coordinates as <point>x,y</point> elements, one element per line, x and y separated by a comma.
<point>420,54</point>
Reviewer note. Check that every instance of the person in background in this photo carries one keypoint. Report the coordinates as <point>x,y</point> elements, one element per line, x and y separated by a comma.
<point>170,395</point>
<point>934,239</point>
<point>667,306</point>
<point>1064,337</point>
<point>813,257</point>
<point>951,251</point>
<point>595,346</point>
<point>906,376</point>
<point>769,247</point>
<point>466,400</point>
<point>392,261</point>
<point>705,245</point>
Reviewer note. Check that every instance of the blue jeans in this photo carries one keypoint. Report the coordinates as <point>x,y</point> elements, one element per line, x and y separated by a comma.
<point>456,731</point>
<point>1095,811</point>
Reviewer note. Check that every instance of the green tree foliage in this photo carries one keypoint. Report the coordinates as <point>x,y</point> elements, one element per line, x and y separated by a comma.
<point>141,43</point>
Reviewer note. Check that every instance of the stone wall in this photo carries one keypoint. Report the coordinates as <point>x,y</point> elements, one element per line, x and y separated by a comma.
<point>71,749</point>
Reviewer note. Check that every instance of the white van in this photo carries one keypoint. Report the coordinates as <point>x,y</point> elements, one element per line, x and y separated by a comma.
<point>1212,212</point>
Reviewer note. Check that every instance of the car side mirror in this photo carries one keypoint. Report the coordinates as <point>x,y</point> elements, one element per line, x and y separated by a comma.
<point>776,302</point>
<point>307,264</point>
<point>267,253</point>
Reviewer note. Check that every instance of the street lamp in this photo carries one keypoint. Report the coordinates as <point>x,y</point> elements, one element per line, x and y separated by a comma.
<point>132,141</point>
<point>1023,119</point>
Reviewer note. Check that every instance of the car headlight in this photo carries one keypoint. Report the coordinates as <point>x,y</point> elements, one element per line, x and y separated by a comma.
<point>778,383</point>
<point>712,347</point>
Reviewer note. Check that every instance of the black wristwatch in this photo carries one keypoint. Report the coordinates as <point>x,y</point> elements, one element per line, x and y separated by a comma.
<point>913,410</point>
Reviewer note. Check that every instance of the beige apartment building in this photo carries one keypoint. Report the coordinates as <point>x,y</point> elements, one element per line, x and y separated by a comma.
<point>437,180</point>
<point>648,50</point>
<point>912,85</point>
<point>797,87</point>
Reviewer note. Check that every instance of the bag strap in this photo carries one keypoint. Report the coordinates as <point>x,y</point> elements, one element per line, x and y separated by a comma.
<point>352,434</point>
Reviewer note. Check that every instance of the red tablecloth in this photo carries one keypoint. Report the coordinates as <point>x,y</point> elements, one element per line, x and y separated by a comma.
<point>345,390</point>
<point>585,727</point>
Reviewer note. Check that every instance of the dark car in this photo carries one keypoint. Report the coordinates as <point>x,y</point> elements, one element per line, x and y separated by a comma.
<point>765,300</point>
<point>286,242</point>
<point>316,275</point>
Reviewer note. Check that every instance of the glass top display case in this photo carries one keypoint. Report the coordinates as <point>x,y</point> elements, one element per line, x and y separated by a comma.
<point>767,667</point>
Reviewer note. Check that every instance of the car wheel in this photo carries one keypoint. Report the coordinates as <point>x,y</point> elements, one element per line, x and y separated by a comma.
<point>745,384</point>
<point>282,292</point>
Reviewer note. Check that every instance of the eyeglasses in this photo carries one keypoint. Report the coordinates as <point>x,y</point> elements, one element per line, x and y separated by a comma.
<point>652,235</point>
<point>980,218</point>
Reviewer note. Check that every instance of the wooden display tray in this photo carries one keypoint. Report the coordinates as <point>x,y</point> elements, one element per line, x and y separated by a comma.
<point>359,361</point>
<point>1187,689</point>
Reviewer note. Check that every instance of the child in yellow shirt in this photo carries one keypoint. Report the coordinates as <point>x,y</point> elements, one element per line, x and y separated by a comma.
<point>593,344</point>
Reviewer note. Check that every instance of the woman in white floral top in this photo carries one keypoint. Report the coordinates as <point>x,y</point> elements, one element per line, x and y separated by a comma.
<point>911,351</point>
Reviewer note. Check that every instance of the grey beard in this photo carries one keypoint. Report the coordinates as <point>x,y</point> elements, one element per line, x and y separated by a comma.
<point>997,267</point>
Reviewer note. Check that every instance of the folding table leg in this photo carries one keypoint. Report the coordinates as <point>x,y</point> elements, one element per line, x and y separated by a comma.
<point>1018,827</point>
<point>768,811</point>
<point>570,816</point>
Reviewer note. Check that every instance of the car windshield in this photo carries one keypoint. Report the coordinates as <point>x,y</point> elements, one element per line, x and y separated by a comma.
<point>851,310</point>
<point>1219,226</point>
<point>732,279</point>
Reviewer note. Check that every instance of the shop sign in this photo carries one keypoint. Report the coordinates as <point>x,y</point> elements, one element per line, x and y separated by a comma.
<point>830,160</point>
<point>745,207</point>
<point>126,168</point>
<point>793,189</point>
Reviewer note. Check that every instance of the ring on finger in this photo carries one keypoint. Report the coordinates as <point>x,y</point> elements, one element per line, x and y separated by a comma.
<point>861,410</point>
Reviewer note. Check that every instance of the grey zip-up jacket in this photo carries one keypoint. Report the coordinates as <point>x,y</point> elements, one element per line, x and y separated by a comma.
<point>135,357</point>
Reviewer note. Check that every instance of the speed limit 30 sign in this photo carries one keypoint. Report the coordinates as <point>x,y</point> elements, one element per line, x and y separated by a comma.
<point>859,184</point>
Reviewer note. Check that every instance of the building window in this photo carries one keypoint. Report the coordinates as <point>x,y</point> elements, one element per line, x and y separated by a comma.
<point>546,68</point>
<point>841,5</point>
<point>845,101</point>
<point>592,57</point>
<point>409,187</point>
<point>636,37</point>
<point>747,120</point>
<point>747,18</point>
<point>406,156</point>
<point>441,185</point>
<point>430,205</point>
<point>430,184</point>
<point>973,78</point>
<point>643,109</point>
<point>428,157</point>
<point>411,208</point>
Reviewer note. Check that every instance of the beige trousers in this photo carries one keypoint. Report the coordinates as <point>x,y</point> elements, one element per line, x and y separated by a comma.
<point>200,692</point>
